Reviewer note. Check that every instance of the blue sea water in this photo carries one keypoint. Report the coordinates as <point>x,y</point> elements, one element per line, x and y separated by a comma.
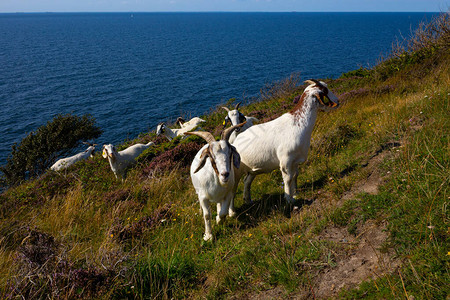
<point>134,70</point>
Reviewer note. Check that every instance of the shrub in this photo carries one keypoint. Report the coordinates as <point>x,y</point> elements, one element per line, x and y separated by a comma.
<point>361,72</point>
<point>44,269</point>
<point>39,149</point>
<point>181,156</point>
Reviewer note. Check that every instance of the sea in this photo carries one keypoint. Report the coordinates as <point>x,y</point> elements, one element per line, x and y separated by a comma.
<point>131,71</point>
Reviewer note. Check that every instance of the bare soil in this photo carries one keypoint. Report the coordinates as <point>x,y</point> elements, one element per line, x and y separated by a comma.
<point>364,260</point>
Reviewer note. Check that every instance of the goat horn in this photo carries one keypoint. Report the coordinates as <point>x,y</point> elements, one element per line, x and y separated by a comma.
<point>227,132</point>
<point>226,108</point>
<point>237,105</point>
<point>312,81</point>
<point>208,137</point>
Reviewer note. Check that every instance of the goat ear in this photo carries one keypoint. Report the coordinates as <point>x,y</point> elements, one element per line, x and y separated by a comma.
<point>226,120</point>
<point>203,156</point>
<point>104,154</point>
<point>242,118</point>
<point>236,157</point>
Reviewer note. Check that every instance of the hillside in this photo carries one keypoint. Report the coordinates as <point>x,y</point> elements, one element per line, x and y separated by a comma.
<point>373,196</point>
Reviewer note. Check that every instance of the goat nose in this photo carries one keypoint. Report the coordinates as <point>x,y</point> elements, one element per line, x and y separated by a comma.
<point>226,174</point>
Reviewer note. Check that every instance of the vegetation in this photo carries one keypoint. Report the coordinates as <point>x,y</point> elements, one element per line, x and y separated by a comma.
<point>39,149</point>
<point>373,221</point>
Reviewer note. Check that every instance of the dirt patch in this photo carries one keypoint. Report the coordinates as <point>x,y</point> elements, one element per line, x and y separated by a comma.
<point>360,260</point>
<point>375,176</point>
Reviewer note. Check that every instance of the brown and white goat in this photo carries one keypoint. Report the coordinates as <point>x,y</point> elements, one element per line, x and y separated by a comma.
<point>283,143</point>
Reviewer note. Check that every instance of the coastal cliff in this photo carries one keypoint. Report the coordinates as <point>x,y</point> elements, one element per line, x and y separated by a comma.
<point>372,220</point>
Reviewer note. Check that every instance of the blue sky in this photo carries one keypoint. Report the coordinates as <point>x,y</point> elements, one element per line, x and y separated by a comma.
<point>221,5</point>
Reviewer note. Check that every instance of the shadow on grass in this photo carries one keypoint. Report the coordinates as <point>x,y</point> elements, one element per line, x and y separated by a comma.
<point>250,215</point>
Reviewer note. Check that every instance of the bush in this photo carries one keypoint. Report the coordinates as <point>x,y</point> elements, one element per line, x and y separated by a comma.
<point>181,156</point>
<point>39,149</point>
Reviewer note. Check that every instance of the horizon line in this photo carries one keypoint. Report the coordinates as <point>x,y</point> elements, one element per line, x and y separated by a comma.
<point>212,11</point>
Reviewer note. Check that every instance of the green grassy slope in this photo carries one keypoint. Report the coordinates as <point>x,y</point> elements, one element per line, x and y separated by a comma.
<point>373,224</point>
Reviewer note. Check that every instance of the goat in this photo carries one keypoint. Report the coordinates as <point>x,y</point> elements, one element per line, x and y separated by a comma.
<point>64,163</point>
<point>173,133</point>
<point>283,142</point>
<point>235,117</point>
<point>196,121</point>
<point>213,175</point>
<point>120,161</point>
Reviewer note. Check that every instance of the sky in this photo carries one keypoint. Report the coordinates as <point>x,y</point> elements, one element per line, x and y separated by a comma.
<point>223,5</point>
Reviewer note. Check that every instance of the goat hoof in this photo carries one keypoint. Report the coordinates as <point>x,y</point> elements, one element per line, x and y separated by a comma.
<point>232,214</point>
<point>207,237</point>
<point>220,219</point>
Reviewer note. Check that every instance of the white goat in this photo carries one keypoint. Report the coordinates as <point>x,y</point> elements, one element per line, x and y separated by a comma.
<point>213,175</point>
<point>283,142</point>
<point>195,121</point>
<point>173,133</point>
<point>120,161</point>
<point>64,163</point>
<point>236,117</point>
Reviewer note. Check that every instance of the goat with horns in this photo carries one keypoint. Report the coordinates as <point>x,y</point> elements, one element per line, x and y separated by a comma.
<point>212,175</point>
<point>283,143</point>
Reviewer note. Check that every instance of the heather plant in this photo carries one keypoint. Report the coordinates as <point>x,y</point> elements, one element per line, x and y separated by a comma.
<point>181,156</point>
<point>45,269</point>
<point>39,149</point>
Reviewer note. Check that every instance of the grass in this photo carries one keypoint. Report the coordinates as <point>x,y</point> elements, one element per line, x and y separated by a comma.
<point>83,234</point>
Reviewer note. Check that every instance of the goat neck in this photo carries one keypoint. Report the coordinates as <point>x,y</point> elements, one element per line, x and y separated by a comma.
<point>305,110</point>
<point>316,96</point>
